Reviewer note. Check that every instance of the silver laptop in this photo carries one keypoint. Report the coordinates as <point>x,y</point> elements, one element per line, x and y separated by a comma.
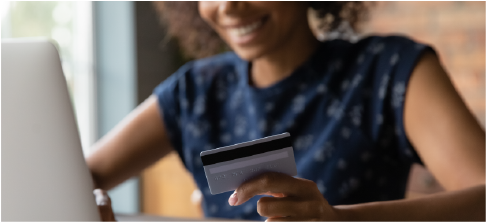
<point>44,174</point>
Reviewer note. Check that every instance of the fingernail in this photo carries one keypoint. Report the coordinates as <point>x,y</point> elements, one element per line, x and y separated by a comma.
<point>233,199</point>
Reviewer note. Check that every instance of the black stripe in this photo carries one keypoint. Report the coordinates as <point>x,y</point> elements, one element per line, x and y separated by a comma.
<point>246,151</point>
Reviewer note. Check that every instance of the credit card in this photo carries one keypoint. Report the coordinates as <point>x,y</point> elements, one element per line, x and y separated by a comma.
<point>228,167</point>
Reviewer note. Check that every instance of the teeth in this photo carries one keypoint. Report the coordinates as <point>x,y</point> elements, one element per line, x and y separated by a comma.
<point>241,31</point>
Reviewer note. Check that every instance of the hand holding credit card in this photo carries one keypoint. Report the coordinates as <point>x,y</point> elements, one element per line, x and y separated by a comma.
<point>228,167</point>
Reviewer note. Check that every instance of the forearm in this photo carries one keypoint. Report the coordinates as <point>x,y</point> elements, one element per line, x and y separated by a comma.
<point>134,144</point>
<point>466,204</point>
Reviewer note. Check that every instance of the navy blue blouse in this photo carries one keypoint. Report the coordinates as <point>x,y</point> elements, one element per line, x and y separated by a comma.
<point>343,108</point>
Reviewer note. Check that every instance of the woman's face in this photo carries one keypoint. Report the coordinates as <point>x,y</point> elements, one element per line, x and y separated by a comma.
<point>254,29</point>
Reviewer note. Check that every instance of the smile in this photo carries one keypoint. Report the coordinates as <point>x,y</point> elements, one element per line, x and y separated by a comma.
<point>245,30</point>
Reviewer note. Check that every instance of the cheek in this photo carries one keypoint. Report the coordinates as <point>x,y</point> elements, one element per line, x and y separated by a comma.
<point>292,13</point>
<point>208,11</point>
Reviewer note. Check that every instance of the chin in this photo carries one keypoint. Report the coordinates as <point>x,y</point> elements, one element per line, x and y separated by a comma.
<point>249,54</point>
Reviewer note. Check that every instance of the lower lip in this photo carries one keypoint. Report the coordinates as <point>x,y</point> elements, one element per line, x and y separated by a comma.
<point>248,38</point>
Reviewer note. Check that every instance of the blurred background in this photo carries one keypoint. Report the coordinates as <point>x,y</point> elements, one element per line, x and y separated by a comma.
<point>114,54</point>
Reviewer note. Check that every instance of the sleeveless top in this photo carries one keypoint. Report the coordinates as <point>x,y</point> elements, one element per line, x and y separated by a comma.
<point>343,109</point>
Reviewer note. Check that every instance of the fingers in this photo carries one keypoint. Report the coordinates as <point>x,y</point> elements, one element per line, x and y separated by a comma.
<point>102,197</point>
<point>276,207</point>
<point>293,198</point>
<point>289,207</point>
<point>275,184</point>
<point>104,205</point>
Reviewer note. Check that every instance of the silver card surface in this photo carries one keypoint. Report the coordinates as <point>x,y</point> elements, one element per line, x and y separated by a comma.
<point>228,167</point>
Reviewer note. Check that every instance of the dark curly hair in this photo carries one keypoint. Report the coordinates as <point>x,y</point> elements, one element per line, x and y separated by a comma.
<point>197,39</point>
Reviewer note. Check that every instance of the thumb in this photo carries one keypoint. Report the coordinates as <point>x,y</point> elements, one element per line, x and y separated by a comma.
<point>102,197</point>
<point>104,205</point>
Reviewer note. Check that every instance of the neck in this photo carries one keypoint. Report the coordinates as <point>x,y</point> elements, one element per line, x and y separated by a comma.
<point>280,63</point>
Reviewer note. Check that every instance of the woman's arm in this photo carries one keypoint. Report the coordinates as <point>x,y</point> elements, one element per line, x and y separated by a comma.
<point>297,199</point>
<point>138,141</point>
<point>446,136</point>
<point>459,205</point>
<point>443,131</point>
<point>451,144</point>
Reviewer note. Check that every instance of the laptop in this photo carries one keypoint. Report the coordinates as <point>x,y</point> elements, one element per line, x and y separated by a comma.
<point>44,174</point>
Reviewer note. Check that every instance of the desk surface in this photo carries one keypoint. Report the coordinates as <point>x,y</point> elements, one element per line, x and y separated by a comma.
<point>146,217</point>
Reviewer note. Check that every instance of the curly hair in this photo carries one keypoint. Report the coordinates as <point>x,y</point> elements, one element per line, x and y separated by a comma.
<point>197,39</point>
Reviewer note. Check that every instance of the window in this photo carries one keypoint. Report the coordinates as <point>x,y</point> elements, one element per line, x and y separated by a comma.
<point>70,25</point>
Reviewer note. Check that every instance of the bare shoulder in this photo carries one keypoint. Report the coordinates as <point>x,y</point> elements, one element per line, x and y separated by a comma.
<point>445,134</point>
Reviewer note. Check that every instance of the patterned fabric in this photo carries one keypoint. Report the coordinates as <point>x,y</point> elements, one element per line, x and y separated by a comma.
<point>343,109</point>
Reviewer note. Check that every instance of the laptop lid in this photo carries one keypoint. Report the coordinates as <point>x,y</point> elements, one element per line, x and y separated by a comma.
<point>44,174</point>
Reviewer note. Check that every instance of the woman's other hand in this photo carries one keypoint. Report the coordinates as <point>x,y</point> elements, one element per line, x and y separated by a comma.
<point>293,198</point>
<point>104,205</point>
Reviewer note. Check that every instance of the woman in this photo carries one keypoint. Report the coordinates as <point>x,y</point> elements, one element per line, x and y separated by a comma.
<point>360,114</point>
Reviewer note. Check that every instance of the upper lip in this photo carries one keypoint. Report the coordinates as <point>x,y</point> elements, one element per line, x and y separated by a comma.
<point>242,23</point>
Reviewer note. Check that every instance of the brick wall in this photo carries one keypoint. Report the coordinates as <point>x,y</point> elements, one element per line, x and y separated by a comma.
<point>456,31</point>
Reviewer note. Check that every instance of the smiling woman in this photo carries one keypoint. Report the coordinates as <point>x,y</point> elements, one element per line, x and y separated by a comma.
<point>360,114</point>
